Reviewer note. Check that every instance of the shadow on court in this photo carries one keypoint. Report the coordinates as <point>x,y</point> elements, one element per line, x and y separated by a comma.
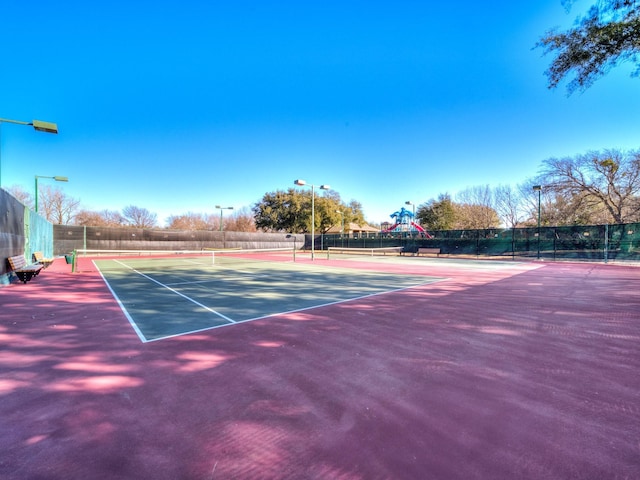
<point>526,373</point>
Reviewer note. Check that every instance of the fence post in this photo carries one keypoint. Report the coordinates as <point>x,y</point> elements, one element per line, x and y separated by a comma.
<point>606,243</point>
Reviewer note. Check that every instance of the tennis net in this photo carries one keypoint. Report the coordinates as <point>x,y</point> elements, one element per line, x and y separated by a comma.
<point>84,260</point>
<point>350,251</point>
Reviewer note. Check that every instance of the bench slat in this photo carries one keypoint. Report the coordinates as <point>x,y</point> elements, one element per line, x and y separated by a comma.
<point>38,257</point>
<point>24,272</point>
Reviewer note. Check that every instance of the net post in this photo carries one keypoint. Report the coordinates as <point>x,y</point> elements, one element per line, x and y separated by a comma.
<point>74,255</point>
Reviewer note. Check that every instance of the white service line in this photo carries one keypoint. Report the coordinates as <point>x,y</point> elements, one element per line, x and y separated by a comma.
<point>177,292</point>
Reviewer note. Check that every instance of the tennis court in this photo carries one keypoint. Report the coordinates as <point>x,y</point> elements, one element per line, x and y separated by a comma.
<point>175,293</point>
<point>426,368</point>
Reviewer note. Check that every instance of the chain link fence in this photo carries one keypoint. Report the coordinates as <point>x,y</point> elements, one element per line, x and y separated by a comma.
<point>578,242</point>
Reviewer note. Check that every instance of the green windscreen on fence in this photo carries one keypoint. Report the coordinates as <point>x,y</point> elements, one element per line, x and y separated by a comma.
<point>40,235</point>
<point>579,242</point>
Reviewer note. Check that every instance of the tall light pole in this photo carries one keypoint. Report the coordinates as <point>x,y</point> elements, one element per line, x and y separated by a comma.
<point>341,221</point>
<point>56,178</point>
<point>38,125</point>
<point>341,226</point>
<point>408,202</point>
<point>221,209</point>
<point>538,188</point>
<point>303,183</point>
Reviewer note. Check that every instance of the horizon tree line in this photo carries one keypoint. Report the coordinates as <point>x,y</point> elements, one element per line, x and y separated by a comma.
<point>592,188</point>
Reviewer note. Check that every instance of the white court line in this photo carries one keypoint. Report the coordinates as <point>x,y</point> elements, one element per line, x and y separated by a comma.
<point>312,307</point>
<point>174,291</point>
<point>259,274</point>
<point>142,338</point>
<point>236,322</point>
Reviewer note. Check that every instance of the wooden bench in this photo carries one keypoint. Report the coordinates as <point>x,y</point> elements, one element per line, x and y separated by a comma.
<point>428,251</point>
<point>39,258</point>
<point>24,272</point>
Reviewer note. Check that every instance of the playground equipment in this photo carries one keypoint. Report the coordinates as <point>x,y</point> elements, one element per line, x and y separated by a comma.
<point>404,222</point>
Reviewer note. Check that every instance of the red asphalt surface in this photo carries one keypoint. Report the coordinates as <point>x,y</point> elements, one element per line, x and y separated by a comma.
<point>526,373</point>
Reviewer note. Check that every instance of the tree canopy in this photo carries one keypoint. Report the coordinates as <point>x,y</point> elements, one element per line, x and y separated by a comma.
<point>290,211</point>
<point>608,34</point>
<point>474,211</point>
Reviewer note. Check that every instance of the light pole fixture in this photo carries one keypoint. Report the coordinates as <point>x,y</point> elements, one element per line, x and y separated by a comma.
<point>221,209</point>
<point>56,178</point>
<point>414,207</point>
<point>538,188</point>
<point>39,125</point>
<point>303,183</point>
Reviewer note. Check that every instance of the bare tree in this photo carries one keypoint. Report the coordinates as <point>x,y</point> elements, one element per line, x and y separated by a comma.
<point>21,194</point>
<point>610,179</point>
<point>56,206</point>
<point>139,217</point>
<point>478,195</point>
<point>475,216</point>
<point>241,221</point>
<point>475,208</point>
<point>193,221</point>
<point>105,218</point>
<point>508,205</point>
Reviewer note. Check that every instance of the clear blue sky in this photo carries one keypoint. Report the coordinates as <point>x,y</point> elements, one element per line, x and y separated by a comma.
<point>179,106</point>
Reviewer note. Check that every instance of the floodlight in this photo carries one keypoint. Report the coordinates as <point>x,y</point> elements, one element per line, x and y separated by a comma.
<point>48,127</point>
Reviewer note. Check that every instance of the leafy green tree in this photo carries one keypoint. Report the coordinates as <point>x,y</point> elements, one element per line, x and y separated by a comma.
<point>437,214</point>
<point>354,213</point>
<point>290,211</point>
<point>282,211</point>
<point>474,213</point>
<point>608,34</point>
